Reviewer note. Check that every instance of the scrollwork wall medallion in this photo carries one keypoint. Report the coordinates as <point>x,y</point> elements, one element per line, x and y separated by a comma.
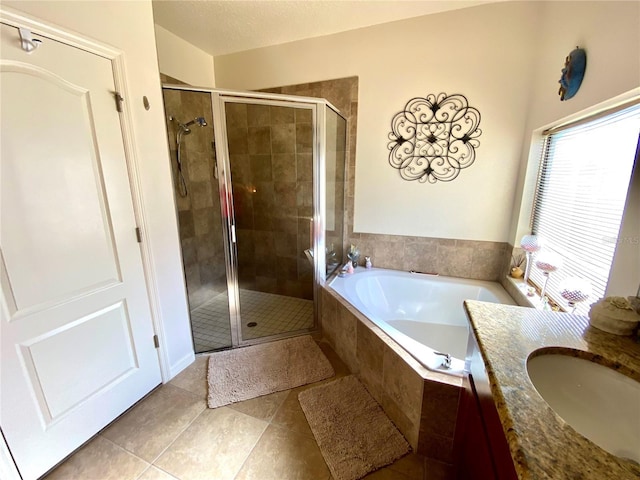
<point>434,138</point>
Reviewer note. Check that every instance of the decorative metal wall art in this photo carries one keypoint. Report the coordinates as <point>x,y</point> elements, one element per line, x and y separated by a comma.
<point>434,138</point>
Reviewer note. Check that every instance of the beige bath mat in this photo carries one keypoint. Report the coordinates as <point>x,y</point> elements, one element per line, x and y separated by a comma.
<point>244,373</point>
<point>353,433</point>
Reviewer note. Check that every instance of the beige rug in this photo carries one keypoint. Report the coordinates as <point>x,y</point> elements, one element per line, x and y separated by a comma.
<point>249,372</point>
<point>353,433</point>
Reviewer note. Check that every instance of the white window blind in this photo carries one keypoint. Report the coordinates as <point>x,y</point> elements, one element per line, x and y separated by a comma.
<point>580,197</point>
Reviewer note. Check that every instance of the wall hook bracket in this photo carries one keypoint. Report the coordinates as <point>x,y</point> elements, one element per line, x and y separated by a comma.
<point>27,42</point>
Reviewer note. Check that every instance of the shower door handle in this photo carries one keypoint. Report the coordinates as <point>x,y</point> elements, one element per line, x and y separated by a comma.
<point>309,251</point>
<point>233,233</point>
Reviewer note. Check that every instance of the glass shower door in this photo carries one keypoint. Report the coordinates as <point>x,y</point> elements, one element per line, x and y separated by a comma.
<point>198,201</point>
<point>335,168</point>
<point>270,146</point>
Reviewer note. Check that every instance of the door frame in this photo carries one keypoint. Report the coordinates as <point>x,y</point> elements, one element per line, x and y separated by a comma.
<point>116,57</point>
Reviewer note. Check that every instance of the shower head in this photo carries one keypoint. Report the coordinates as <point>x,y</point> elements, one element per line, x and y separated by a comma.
<point>200,121</point>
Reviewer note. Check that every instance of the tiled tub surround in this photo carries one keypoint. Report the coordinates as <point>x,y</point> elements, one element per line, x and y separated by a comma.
<point>541,444</point>
<point>423,404</point>
<point>478,260</point>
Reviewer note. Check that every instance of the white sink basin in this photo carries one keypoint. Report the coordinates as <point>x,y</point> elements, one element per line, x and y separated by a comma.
<point>598,402</point>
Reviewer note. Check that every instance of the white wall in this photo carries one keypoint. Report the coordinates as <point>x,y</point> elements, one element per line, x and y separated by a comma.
<point>183,61</point>
<point>610,33</point>
<point>128,26</point>
<point>483,53</point>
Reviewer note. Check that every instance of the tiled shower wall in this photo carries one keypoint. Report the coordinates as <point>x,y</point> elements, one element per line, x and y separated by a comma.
<point>457,258</point>
<point>199,215</point>
<point>270,151</point>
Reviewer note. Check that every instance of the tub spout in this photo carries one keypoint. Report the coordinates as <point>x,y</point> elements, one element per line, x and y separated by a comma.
<point>446,359</point>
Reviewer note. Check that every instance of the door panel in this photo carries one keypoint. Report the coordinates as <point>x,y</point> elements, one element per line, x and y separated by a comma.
<point>67,176</point>
<point>76,333</point>
<point>103,335</point>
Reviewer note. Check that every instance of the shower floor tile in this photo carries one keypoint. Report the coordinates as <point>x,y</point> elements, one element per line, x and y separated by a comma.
<point>272,314</point>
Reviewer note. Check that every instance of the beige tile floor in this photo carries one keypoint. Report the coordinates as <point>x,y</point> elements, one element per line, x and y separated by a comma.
<point>171,434</point>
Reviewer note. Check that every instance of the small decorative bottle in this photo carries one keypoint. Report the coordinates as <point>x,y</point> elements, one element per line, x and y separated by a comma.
<point>367,262</point>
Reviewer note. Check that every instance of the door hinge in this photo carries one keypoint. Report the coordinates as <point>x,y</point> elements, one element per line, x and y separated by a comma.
<point>156,342</point>
<point>119,99</point>
<point>138,235</point>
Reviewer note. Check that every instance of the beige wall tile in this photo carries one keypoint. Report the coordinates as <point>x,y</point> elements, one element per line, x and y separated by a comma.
<point>439,408</point>
<point>283,138</point>
<point>280,115</point>
<point>261,168</point>
<point>436,447</point>
<point>421,256</point>
<point>339,367</point>
<point>454,261</point>
<point>403,385</point>
<point>304,138</point>
<point>236,115</point>
<point>328,315</point>
<point>488,263</point>
<point>201,194</point>
<point>398,416</point>
<point>346,338</point>
<point>258,115</point>
<point>388,254</point>
<point>259,140</point>
<point>284,167</point>
<point>369,350</point>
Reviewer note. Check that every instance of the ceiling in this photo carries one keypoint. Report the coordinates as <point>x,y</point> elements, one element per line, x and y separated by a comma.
<point>228,26</point>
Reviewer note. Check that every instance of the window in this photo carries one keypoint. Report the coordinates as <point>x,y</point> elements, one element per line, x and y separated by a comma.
<point>580,197</point>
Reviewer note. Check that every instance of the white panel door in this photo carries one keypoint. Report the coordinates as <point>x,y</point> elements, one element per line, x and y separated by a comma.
<point>76,331</point>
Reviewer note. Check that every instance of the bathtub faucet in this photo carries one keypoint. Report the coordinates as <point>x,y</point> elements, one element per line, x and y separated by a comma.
<point>446,361</point>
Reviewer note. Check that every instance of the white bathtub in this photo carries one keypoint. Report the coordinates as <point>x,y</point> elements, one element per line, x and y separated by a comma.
<point>422,313</point>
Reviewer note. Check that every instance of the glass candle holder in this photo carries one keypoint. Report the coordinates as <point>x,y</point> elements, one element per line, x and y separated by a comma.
<point>530,244</point>
<point>548,262</point>
<point>575,290</point>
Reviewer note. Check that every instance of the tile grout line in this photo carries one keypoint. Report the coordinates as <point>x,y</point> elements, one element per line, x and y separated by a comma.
<point>252,448</point>
<point>176,438</point>
<point>129,453</point>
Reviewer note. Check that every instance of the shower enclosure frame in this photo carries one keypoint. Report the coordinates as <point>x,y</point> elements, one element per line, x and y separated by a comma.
<point>219,97</point>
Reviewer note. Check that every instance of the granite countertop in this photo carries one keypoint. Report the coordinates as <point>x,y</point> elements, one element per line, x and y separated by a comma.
<point>542,445</point>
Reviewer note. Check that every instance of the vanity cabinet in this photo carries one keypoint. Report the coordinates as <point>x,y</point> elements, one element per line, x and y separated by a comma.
<point>482,446</point>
